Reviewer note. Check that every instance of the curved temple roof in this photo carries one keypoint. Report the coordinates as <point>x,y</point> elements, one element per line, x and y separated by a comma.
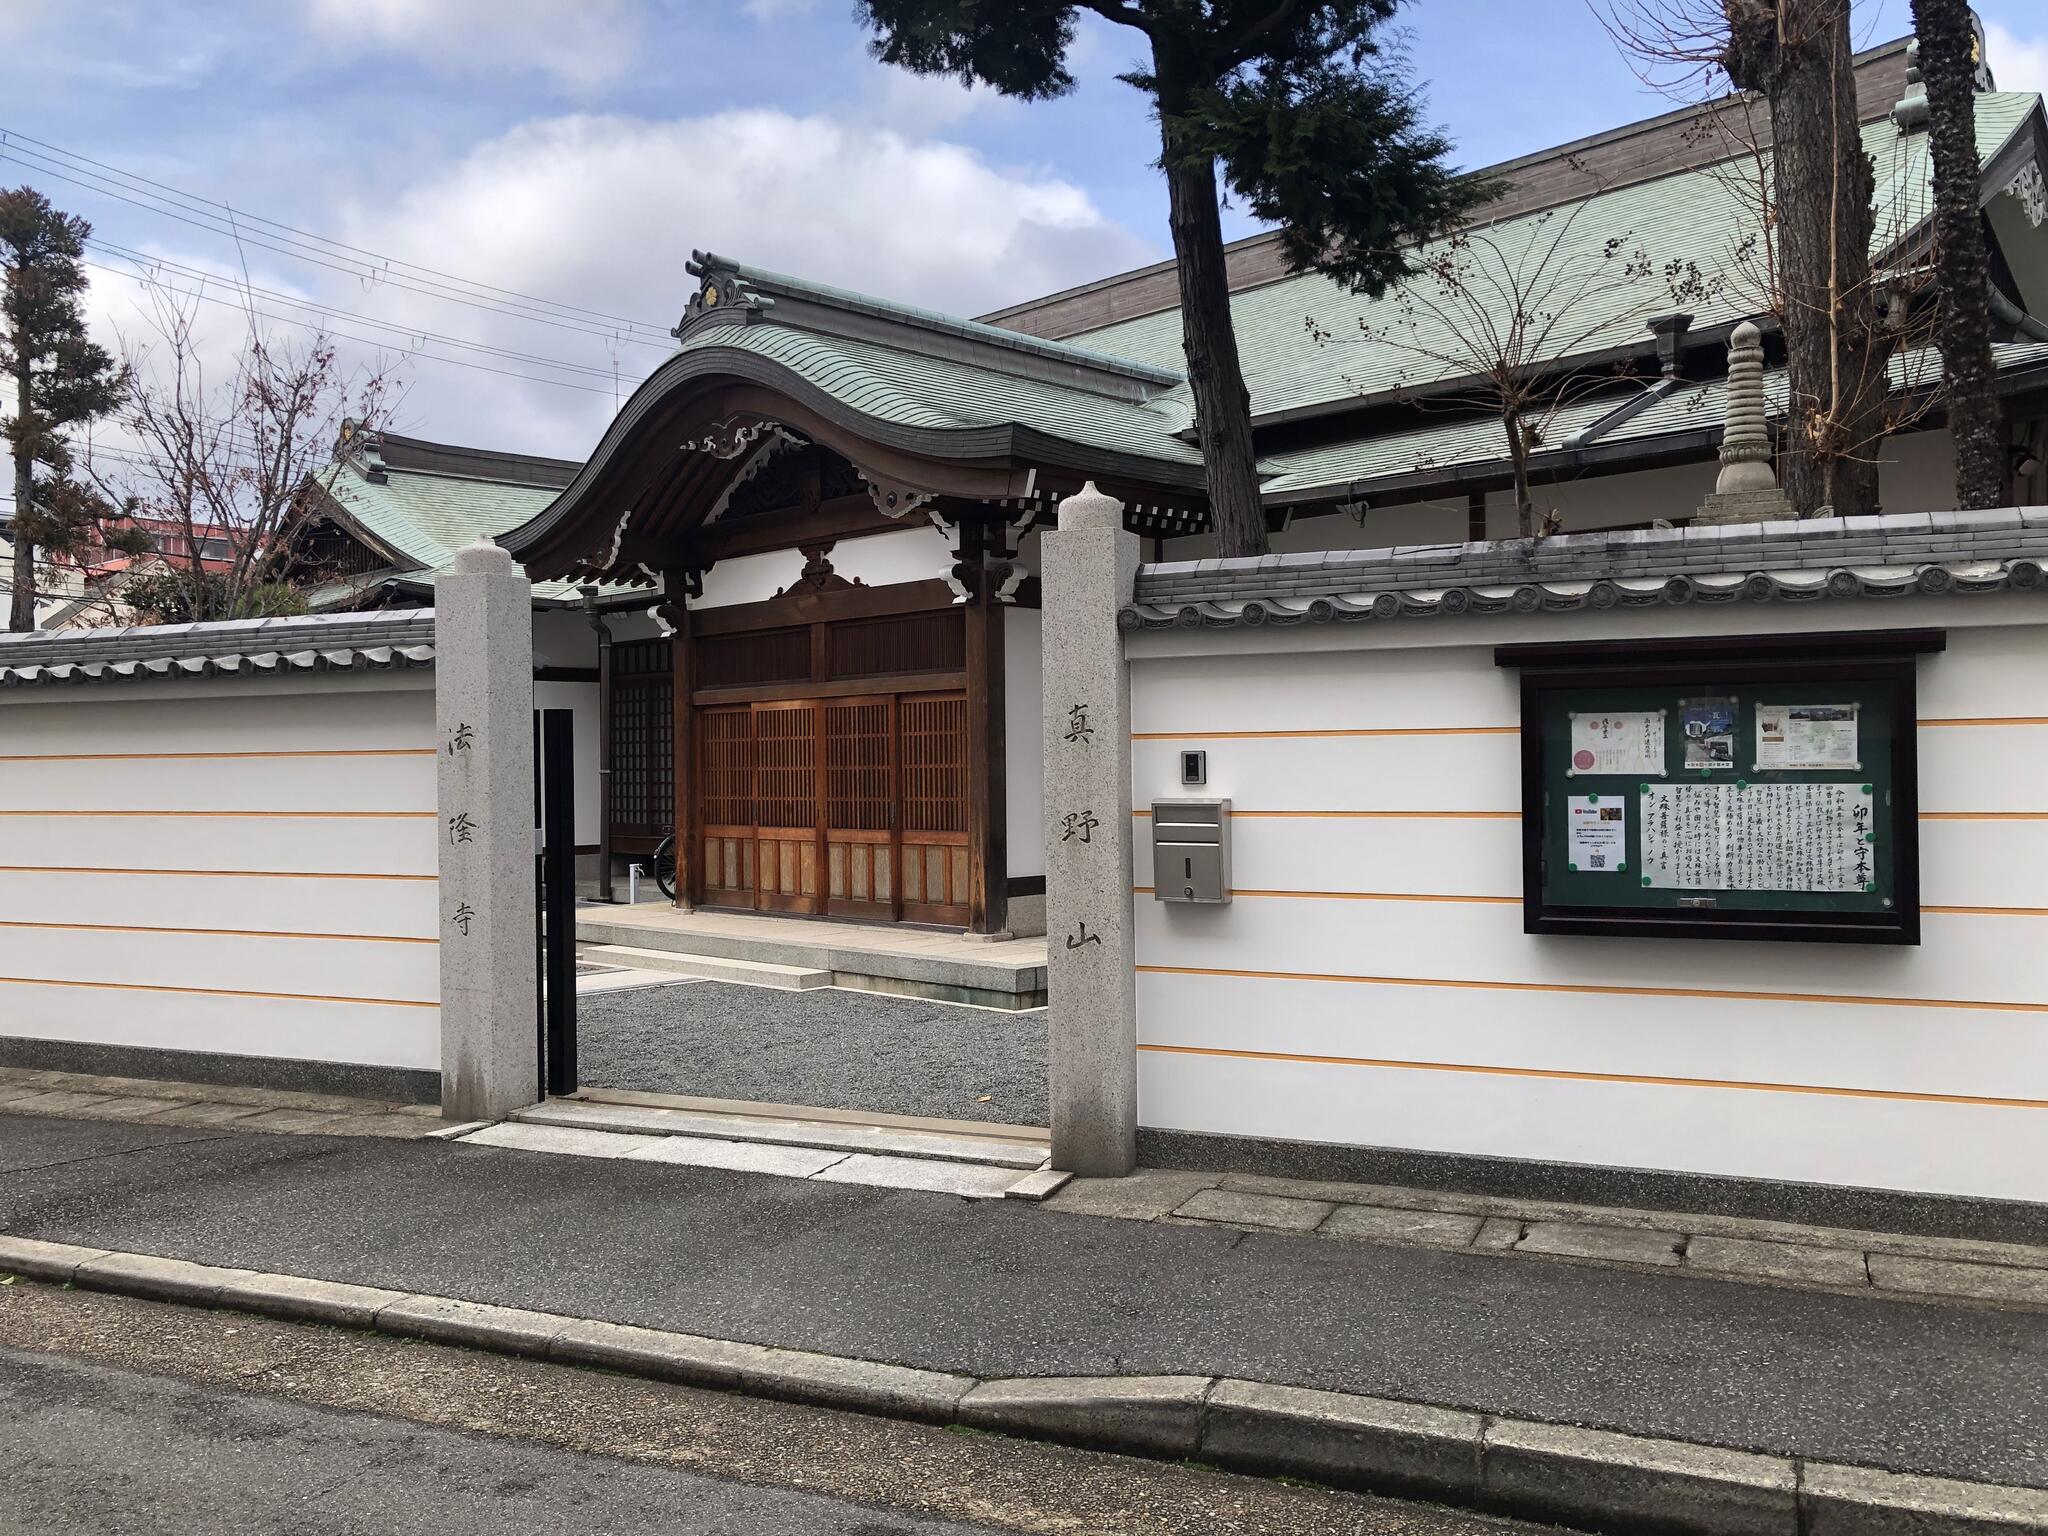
<point>922,405</point>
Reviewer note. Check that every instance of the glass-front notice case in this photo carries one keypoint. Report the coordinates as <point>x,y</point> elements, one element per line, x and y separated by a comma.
<point>1727,787</point>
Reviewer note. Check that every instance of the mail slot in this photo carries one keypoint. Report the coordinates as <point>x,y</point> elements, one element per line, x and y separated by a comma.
<point>1191,851</point>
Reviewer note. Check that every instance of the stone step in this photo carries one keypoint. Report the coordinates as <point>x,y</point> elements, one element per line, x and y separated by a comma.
<point>755,973</point>
<point>913,963</point>
<point>898,1141</point>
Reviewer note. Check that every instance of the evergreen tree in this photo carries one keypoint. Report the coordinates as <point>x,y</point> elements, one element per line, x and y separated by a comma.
<point>61,379</point>
<point>1298,103</point>
<point>1948,68</point>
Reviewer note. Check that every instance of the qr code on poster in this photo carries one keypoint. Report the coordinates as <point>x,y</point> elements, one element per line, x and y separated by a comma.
<point>1599,861</point>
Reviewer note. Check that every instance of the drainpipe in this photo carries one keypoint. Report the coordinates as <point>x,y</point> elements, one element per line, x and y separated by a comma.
<point>595,614</point>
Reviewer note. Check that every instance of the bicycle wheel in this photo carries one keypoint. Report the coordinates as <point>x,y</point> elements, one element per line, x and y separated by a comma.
<point>665,867</point>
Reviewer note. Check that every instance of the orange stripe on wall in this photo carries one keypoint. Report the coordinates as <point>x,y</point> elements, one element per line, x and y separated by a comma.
<point>1477,730</point>
<point>1600,991</point>
<point>284,997</point>
<point>221,874</point>
<point>183,757</point>
<point>1515,901</point>
<point>216,815</point>
<point>1599,1077</point>
<point>1371,815</point>
<point>1517,815</point>
<point>1390,730</point>
<point>226,933</point>
<point>1512,901</point>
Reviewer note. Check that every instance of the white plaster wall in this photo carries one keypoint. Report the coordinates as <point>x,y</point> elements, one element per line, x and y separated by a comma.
<point>237,866</point>
<point>1024,760</point>
<point>1371,983</point>
<point>914,552</point>
<point>581,700</point>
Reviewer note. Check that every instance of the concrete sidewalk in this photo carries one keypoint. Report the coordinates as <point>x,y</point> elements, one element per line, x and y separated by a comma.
<point>993,1290</point>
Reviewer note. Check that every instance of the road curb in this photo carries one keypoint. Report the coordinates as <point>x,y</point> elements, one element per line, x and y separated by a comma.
<point>1596,1479</point>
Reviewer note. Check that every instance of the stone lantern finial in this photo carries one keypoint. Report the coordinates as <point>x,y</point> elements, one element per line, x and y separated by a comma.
<point>1747,490</point>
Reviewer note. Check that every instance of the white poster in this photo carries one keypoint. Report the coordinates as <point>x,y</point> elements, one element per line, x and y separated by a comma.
<point>1626,741</point>
<point>1596,833</point>
<point>1808,736</point>
<point>1759,837</point>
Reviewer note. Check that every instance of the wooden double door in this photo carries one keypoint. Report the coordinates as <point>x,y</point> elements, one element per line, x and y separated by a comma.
<point>854,807</point>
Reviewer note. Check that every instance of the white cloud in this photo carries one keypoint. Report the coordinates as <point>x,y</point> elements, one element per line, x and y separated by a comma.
<point>770,11</point>
<point>580,43</point>
<point>602,212</point>
<point>2017,63</point>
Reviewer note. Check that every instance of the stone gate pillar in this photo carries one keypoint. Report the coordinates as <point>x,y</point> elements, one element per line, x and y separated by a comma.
<point>483,704</point>
<point>1089,570</point>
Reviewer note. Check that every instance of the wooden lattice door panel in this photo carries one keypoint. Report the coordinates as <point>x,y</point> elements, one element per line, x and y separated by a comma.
<point>860,807</point>
<point>786,807</point>
<point>725,766</point>
<point>643,786</point>
<point>932,774</point>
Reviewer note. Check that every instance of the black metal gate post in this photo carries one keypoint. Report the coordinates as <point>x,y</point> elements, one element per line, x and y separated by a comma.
<point>558,896</point>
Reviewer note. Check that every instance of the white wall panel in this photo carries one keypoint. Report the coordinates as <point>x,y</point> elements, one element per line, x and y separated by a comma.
<point>1970,958</point>
<point>1592,1042</point>
<point>1971,1053</point>
<point>235,803</point>
<point>581,700</point>
<point>1345,773</point>
<point>355,783</point>
<point>915,552</point>
<point>380,845</point>
<point>357,1033</point>
<point>239,903</point>
<point>300,967</point>
<point>1425,856</point>
<point>343,711</point>
<point>1985,673</point>
<point>1344,690</point>
<point>1023,744</point>
<point>1889,1144</point>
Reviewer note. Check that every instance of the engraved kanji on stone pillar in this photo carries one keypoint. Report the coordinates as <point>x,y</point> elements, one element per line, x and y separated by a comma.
<point>1089,571</point>
<point>483,702</point>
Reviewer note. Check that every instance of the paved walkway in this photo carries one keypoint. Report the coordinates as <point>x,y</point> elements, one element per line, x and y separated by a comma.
<point>998,1288</point>
<point>34,1091</point>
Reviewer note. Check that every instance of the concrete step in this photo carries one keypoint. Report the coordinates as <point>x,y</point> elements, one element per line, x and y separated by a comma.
<point>754,973</point>
<point>912,963</point>
<point>897,1141</point>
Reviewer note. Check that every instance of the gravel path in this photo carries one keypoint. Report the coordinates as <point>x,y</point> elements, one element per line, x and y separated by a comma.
<point>836,1049</point>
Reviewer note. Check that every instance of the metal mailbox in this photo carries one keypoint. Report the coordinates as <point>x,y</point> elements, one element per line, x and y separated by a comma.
<point>1191,851</point>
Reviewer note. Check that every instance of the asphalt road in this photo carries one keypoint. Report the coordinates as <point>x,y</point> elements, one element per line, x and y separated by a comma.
<point>995,1288</point>
<point>834,1048</point>
<point>122,1416</point>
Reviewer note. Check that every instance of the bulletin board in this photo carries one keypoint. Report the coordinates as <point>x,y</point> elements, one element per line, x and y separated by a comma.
<point>1723,788</point>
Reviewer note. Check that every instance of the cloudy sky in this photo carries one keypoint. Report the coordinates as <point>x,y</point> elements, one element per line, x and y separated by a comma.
<point>505,191</point>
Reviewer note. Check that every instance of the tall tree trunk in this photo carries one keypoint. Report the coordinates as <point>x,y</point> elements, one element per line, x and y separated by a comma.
<point>1518,457</point>
<point>1223,411</point>
<point>21,613</point>
<point>1797,54</point>
<point>1961,267</point>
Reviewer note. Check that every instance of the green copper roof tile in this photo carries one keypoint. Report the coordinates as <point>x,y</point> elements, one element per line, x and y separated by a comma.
<point>939,393</point>
<point>1701,216</point>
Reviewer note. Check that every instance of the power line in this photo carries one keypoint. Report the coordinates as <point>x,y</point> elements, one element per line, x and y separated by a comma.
<point>198,204</point>
<point>197,274</point>
<point>371,341</point>
<point>214,224</point>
